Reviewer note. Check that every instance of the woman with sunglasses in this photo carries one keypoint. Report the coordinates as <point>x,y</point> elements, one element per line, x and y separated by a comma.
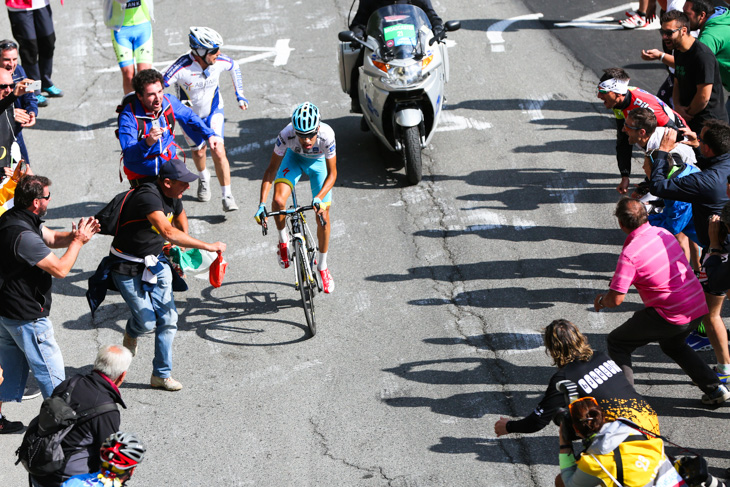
<point>594,374</point>
<point>616,453</point>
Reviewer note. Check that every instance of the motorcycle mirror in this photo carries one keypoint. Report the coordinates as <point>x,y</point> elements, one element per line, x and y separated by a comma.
<point>452,25</point>
<point>347,36</point>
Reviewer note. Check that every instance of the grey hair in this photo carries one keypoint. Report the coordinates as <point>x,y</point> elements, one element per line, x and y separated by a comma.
<point>113,361</point>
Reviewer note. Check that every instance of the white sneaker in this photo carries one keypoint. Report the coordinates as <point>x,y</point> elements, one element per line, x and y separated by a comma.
<point>633,21</point>
<point>203,190</point>
<point>229,204</point>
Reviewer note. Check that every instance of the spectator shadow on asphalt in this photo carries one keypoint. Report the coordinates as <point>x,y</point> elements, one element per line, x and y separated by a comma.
<point>557,102</point>
<point>52,125</point>
<point>588,123</point>
<point>529,233</point>
<point>541,450</point>
<point>589,266</point>
<point>523,298</point>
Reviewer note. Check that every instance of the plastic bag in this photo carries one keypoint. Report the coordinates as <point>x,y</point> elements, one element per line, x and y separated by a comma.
<point>218,271</point>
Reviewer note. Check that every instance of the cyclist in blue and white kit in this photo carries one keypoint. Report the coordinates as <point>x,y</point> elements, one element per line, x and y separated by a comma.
<point>197,75</point>
<point>305,146</point>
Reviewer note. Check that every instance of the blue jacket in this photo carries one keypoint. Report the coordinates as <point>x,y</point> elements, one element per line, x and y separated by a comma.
<point>677,215</point>
<point>706,190</point>
<point>134,124</point>
<point>27,102</point>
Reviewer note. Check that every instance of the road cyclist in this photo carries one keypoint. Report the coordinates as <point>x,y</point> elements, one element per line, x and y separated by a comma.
<point>305,146</point>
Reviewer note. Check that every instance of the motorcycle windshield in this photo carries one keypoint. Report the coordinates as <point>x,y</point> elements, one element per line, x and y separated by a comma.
<point>397,28</point>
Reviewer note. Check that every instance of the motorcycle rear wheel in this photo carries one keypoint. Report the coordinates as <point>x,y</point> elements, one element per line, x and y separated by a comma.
<point>412,154</point>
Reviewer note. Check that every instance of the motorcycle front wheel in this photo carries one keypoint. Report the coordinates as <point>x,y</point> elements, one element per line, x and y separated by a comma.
<point>412,154</point>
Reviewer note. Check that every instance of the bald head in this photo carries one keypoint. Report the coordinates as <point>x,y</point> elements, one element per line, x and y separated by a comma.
<point>631,214</point>
<point>6,79</point>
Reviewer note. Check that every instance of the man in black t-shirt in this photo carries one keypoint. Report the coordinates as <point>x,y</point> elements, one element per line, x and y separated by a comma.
<point>698,91</point>
<point>154,214</point>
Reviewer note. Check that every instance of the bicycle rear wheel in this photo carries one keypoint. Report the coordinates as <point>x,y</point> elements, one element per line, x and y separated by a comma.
<point>306,285</point>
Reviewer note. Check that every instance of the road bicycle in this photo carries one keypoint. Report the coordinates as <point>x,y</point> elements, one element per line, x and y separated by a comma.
<point>303,255</point>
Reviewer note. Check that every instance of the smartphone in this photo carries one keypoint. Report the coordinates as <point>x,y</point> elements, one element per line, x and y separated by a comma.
<point>33,86</point>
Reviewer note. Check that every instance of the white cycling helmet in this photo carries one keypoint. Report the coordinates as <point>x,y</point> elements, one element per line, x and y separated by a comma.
<point>204,39</point>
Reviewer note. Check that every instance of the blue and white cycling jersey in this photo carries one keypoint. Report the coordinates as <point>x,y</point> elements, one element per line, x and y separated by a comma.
<point>200,86</point>
<point>84,480</point>
<point>323,147</point>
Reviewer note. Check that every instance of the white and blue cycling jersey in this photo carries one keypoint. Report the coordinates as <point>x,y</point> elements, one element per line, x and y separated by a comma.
<point>200,86</point>
<point>324,146</point>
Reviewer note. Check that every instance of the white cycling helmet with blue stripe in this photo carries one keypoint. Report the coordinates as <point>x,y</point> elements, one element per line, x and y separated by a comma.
<point>204,39</point>
<point>305,119</point>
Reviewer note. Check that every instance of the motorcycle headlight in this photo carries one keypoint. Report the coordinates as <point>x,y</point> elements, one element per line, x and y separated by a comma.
<point>400,75</point>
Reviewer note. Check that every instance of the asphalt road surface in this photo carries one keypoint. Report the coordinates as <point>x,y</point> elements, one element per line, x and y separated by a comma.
<point>433,331</point>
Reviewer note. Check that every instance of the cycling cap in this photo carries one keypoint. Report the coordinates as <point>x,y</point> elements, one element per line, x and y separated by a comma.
<point>122,450</point>
<point>305,118</point>
<point>204,38</point>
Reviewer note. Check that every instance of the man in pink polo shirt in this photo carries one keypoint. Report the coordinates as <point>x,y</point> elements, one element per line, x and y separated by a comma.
<point>655,264</point>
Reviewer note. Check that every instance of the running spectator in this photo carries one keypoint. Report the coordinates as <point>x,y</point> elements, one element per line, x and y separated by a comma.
<point>120,454</point>
<point>147,127</point>
<point>131,26</point>
<point>697,84</point>
<point>594,375</point>
<point>616,453</point>
<point>706,191</point>
<point>617,95</point>
<point>26,106</point>
<point>196,76</point>
<point>714,26</point>
<point>673,216</point>
<point>654,263</point>
<point>26,332</point>
<point>98,389</point>
<point>152,215</point>
<point>31,22</point>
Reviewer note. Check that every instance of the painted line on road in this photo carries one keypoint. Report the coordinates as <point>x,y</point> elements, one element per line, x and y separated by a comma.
<point>533,106</point>
<point>450,122</point>
<point>494,32</point>
<point>597,20</point>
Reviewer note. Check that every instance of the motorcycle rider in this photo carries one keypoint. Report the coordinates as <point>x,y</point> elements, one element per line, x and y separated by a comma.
<point>306,145</point>
<point>364,10</point>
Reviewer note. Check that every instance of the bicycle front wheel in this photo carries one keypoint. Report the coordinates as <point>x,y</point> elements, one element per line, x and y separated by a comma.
<point>306,285</point>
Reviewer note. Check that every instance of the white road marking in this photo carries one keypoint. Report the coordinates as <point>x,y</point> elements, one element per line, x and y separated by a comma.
<point>533,106</point>
<point>280,52</point>
<point>450,122</point>
<point>597,20</point>
<point>494,32</point>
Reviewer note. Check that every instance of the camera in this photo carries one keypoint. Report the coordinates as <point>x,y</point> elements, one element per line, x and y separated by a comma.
<point>695,472</point>
<point>570,391</point>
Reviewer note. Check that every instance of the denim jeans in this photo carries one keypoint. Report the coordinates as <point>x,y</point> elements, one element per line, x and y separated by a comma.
<point>31,344</point>
<point>153,310</point>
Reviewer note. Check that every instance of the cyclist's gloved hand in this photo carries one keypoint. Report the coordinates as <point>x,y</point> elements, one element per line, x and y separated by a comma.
<point>317,203</point>
<point>439,32</point>
<point>260,213</point>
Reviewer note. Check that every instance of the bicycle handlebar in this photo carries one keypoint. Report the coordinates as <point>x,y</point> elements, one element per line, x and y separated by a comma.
<point>288,211</point>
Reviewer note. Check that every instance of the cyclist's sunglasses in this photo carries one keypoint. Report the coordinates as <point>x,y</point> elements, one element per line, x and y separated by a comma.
<point>212,51</point>
<point>308,135</point>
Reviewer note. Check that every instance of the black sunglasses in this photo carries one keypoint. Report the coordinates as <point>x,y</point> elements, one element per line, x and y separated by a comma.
<point>44,197</point>
<point>8,45</point>
<point>668,32</point>
<point>5,87</point>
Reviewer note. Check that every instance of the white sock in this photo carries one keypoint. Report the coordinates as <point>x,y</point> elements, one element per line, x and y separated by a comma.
<point>283,236</point>
<point>724,369</point>
<point>204,174</point>
<point>322,261</point>
<point>226,190</point>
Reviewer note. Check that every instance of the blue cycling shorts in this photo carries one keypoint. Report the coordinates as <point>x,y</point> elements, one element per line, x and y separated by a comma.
<point>133,44</point>
<point>294,165</point>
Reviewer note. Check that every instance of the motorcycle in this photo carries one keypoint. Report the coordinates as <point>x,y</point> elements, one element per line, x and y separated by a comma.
<point>401,81</point>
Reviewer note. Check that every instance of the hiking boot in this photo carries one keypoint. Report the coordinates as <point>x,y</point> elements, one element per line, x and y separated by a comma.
<point>168,383</point>
<point>328,284</point>
<point>31,392</point>
<point>53,92</point>
<point>718,396</point>
<point>130,344</point>
<point>283,255</point>
<point>633,21</point>
<point>42,101</point>
<point>229,204</point>
<point>203,189</point>
<point>7,427</point>
<point>698,342</point>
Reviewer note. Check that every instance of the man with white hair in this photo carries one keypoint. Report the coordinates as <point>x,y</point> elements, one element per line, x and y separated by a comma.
<point>98,390</point>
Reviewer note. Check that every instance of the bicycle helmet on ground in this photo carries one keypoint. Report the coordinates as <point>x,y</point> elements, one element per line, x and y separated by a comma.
<point>204,39</point>
<point>122,450</point>
<point>305,119</point>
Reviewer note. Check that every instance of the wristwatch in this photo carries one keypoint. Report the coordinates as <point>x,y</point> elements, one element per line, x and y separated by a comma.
<point>716,251</point>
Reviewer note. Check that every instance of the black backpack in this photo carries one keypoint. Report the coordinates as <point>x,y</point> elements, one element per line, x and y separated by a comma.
<point>40,452</point>
<point>110,215</point>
